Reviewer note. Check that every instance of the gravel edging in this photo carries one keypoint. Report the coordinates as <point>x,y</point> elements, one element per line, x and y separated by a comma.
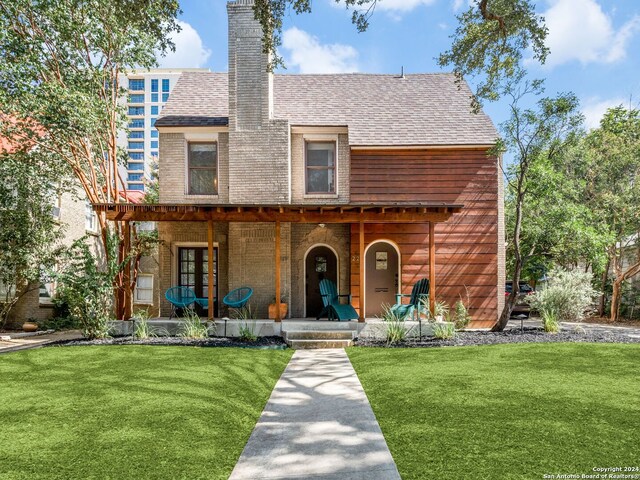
<point>528,335</point>
<point>262,343</point>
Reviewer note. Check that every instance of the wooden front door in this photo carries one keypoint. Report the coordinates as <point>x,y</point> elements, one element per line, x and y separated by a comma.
<point>193,268</point>
<point>321,263</point>
<point>381,273</point>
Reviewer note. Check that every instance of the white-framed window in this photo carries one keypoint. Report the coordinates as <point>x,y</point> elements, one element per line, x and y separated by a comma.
<point>202,158</point>
<point>90,218</point>
<point>320,167</point>
<point>144,289</point>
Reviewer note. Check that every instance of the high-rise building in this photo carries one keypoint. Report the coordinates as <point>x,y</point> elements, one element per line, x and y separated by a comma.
<point>147,92</point>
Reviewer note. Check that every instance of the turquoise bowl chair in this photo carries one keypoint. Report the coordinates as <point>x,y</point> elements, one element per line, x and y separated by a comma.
<point>238,298</point>
<point>179,297</point>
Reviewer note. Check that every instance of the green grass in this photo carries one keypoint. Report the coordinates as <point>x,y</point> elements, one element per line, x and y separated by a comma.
<point>505,411</point>
<point>130,412</point>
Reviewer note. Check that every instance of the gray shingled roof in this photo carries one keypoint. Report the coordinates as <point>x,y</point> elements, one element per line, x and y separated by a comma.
<point>420,109</point>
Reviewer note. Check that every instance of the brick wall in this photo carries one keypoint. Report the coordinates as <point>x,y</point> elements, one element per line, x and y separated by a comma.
<point>175,234</point>
<point>173,163</point>
<point>298,171</point>
<point>251,262</point>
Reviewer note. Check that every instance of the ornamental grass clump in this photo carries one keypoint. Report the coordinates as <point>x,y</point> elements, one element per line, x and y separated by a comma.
<point>395,327</point>
<point>143,330</point>
<point>192,326</point>
<point>461,315</point>
<point>568,297</point>
<point>248,332</point>
<point>444,330</point>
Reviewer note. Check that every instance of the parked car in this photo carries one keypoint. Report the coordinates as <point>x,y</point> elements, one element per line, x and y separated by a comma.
<point>522,306</point>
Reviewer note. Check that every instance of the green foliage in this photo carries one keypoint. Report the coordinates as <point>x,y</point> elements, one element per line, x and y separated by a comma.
<point>444,330</point>
<point>29,234</point>
<point>95,403</point>
<point>395,327</point>
<point>152,189</point>
<point>248,332</point>
<point>244,313</point>
<point>191,325</point>
<point>143,329</point>
<point>66,322</point>
<point>489,42</point>
<point>567,297</point>
<point>461,317</point>
<point>85,285</point>
<point>550,321</point>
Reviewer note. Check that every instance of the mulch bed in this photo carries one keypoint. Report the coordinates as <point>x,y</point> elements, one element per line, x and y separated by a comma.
<point>528,335</point>
<point>261,342</point>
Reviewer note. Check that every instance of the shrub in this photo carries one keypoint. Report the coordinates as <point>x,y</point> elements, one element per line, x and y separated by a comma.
<point>441,310</point>
<point>248,332</point>
<point>396,330</point>
<point>550,321</point>
<point>444,330</point>
<point>143,329</point>
<point>86,290</point>
<point>244,313</point>
<point>461,316</point>
<point>568,296</point>
<point>192,326</point>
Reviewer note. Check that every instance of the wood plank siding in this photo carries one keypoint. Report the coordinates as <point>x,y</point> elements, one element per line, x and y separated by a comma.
<point>466,245</point>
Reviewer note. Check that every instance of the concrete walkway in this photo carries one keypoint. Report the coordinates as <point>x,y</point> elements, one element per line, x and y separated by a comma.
<point>11,342</point>
<point>318,424</point>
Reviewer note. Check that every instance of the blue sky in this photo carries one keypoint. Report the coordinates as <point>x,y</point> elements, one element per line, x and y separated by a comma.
<point>595,44</point>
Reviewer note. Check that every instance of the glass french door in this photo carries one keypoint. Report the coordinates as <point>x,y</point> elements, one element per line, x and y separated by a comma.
<point>193,272</point>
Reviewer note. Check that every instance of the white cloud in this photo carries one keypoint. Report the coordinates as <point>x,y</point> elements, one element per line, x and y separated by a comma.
<point>580,30</point>
<point>595,108</point>
<point>190,51</point>
<point>460,4</point>
<point>401,5</point>
<point>310,56</point>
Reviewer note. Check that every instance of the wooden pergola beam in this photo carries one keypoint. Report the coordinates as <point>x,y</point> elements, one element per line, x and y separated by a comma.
<point>368,216</point>
<point>277,269</point>
<point>210,254</point>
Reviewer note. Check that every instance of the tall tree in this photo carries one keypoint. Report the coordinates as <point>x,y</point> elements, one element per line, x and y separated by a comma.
<point>29,234</point>
<point>531,135</point>
<point>61,64</point>
<point>610,164</point>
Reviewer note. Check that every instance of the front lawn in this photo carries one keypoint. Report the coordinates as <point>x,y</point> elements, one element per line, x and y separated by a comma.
<point>130,412</point>
<point>505,411</point>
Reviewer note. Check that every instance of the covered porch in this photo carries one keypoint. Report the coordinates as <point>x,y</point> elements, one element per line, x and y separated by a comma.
<point>357,216</point>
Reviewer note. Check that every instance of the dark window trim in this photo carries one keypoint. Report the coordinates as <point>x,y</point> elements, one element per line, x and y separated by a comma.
<point>198,262</point>
<point>307,167</point>
<point>189,168</point>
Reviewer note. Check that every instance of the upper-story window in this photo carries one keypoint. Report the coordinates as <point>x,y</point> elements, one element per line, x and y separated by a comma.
<point>136,110</point>
<point>154,97</point>
<point>320,167</point>
<point>136,84</point>
<point>165,84</point>
<point>154,109</point>
<point>165,97</point>
<point>136,98</point>
<point>154,85</point>
<point>203,169</point>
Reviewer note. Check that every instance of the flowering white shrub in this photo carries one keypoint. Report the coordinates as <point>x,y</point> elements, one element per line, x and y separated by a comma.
<point>569,296</point>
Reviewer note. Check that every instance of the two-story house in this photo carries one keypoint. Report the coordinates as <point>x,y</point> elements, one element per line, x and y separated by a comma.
<point>276,181</point>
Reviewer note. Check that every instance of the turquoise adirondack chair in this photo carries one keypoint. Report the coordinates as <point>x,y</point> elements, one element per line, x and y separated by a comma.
<point>419,291</point>
<point>333,309</point>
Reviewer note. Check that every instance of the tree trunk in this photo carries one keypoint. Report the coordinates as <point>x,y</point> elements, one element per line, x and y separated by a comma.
<point>603,287</point>
<point>616,298</point>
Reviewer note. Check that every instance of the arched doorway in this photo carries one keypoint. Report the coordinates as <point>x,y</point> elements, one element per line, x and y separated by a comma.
<point>382,276</point>
<point>321,261</point>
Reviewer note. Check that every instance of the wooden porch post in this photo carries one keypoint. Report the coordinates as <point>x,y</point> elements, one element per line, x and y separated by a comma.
<point>128,307</point>
<point>277,260</point>
<point>210,254</point>
<point>362,314</point>
<point>432,267</point>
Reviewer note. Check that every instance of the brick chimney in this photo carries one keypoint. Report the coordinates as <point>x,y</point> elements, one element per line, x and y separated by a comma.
<point>250,84</point>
